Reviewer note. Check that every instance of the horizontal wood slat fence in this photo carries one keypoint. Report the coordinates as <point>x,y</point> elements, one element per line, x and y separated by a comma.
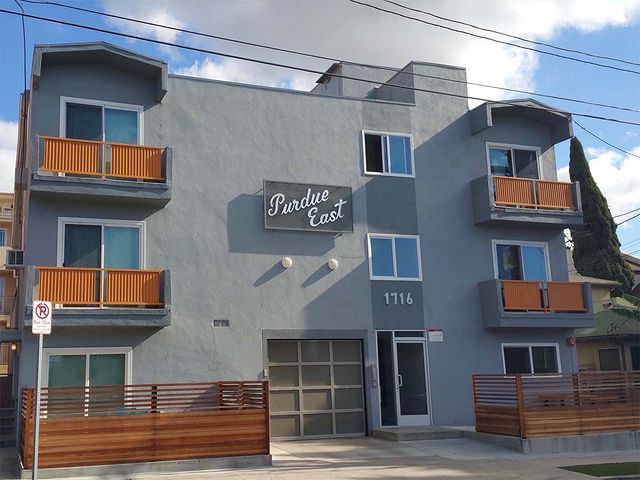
<point>533,193</point>
<point>143,423</point>
<point>101,287</point>
<point>550,405</point>
<point>521,295</point>
<point>101,159</point>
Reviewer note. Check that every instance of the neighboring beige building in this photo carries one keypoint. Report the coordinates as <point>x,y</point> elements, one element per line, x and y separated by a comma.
<point>614,342</point>
<point>7,280</point>
<point>634,265</point>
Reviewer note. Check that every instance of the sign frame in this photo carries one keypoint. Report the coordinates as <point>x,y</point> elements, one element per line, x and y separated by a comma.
<point>310,229</point>
<point>41,325</point>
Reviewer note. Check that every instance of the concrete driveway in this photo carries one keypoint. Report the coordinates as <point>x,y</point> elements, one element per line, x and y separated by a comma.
<point>373,459</point>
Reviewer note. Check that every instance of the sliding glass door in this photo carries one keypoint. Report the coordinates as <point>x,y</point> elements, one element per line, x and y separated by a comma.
<point>102,246</point>
<point>521,262</point>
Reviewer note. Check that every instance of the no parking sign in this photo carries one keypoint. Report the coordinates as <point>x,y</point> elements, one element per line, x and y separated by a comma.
<point>41,318</point>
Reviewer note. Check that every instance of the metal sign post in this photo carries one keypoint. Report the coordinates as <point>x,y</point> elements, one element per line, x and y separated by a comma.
<point>41,325</point>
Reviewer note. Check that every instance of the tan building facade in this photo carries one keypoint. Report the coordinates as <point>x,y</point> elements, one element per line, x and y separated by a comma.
<point>7,280</point>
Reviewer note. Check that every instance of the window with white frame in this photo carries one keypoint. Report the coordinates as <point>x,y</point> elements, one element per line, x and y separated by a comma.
<point>100,121</point>
<point>3,237</point>
<point>77,367</point>
<point>609,359</point>
<point>92,243</point>
<point>394,257</point>
<point>530,358</point>
<point>388,154</point>
<point>513,161</point>
<point>515,260</point>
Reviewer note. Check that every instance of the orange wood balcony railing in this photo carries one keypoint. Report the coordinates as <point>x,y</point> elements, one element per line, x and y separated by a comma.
<point>519,295</point>
<point>533,193</point>
<point>100,287</point>
<point>101,159</point>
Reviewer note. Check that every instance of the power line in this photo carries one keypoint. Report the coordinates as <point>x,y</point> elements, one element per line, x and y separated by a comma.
<point>604,141</point>
<point>307,70</point>
<point>566,57</point>
<point>323,57</point>
<point>515,37</point>
<point>626,213</point>
<point>631,253</point>
<point>631,242</point>
<point>629,219</point>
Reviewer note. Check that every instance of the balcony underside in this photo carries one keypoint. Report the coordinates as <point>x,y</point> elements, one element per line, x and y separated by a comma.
<point>107,317</point>
<point>144,193</point>
<point>494,314</point>
<point>486,211</point>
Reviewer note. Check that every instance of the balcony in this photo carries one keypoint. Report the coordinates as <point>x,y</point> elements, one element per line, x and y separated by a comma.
<point>524,304</point>
<point>6,308</point>
<point>103,170</point>
<point>6,213</point>
<point>512,200</point>
<point>102,296</point>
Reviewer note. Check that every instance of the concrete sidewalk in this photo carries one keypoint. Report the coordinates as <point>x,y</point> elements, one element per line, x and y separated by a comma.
<point>373,459</point>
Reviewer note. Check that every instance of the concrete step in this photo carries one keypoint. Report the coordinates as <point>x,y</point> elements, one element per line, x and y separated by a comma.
<point>408,434</point>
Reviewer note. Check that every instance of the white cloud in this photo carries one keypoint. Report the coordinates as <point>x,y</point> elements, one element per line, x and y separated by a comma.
<point>340,29</point>
<point>8,143</point>
<point>617,176</point>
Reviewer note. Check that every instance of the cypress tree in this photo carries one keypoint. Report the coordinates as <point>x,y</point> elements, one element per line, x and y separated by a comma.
<point>596,248</point>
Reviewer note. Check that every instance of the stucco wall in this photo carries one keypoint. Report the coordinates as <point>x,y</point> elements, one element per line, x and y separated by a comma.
<point>226,140</point>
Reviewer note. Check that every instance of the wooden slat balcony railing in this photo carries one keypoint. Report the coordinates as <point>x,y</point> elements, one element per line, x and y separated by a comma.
<point>100,287</point>
<point>102,425</point>
<point>533,193</point>
<point>101,159</point>
<point>520,295</point>
<point>529,406</point>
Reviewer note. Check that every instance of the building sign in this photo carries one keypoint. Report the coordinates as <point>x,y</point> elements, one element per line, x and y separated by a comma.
<point>303,206</point>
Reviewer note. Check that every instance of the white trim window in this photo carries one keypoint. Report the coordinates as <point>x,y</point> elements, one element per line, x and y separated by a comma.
<point>531,358</point>
<point>388,154</point>
<point>394,257</point>
<point>97,120</point>
<point>98,243</point>
<point>518,260</point>
<point>76,367</point>
<point>3,238</point>
<point>513,160</point>
<point>610,359</point>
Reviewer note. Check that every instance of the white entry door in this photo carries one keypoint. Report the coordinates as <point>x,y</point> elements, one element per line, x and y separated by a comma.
<point>412,399</point>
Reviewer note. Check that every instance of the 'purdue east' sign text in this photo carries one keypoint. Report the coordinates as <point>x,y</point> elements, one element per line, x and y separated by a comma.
<point>303,206</point>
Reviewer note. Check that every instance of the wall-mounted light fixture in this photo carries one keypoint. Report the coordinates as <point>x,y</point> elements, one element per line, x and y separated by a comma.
<point>332,264</point>
<point>14,346</point>
<point>287,262</point>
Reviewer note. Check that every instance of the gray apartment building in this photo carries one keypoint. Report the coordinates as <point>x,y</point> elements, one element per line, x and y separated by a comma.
<point>366,246</point>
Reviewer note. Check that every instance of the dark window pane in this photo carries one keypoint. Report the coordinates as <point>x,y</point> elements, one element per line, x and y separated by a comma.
<point>120,126</point>
<point>516,360</point>
<point>387,378</point>
<point>407,258</point>
<point>526,163</point>
<point>635,358</point>
<point>373,152</point>
<point>544,360</point>
<point>509,267</point>
<point>411,369</point>
<point>82,246</point>
<point>609,359</point>
<point>381,257</point>
<point>500,161</point>
<point>84,122</point>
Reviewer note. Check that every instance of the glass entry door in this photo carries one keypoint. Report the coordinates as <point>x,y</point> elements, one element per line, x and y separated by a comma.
<point>412,401</point>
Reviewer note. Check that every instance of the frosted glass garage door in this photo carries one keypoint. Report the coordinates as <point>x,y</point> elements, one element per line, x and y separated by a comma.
<point>316,388</point>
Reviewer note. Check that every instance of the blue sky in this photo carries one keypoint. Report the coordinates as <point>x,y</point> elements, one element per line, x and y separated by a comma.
<point>610,29</point>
